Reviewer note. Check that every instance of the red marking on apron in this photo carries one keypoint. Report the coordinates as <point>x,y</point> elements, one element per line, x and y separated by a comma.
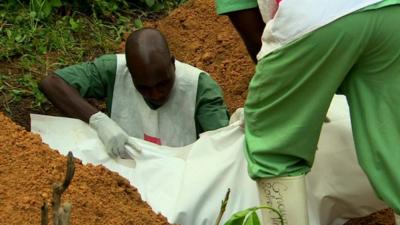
<point>152,139</point>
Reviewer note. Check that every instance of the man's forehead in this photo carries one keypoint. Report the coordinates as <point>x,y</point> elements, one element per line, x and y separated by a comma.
<point>151,76</point>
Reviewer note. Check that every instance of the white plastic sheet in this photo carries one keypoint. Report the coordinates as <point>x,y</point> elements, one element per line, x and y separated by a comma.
<point>187,184</point>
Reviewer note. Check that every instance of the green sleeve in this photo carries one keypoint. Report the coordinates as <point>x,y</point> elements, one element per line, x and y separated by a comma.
<point>92,79</point>
<point>381,4</point>
<point>227,6</point>
<point>211,112</point>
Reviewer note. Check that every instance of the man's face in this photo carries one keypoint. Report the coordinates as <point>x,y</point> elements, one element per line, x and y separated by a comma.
<point>153,82</point>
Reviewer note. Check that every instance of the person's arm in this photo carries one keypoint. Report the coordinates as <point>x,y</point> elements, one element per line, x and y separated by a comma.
<point>66,98</point>
<point>211,112</point>
<point>66,88</point>
<point>250,25</point>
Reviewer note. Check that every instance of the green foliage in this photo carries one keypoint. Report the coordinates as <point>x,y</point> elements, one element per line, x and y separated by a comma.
<point>42,8</point>
<point>107,8</point>
<point>13,91</point>
<point>138,23</point>
<point>161,5</point>
<point>30,88</point>
<point>75,24</point>
<point>250,217</point>
<point>71,35</point>
<point>32,27</point>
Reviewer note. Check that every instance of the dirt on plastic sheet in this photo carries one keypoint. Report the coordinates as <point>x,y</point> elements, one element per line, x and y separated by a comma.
<point>29,168</point>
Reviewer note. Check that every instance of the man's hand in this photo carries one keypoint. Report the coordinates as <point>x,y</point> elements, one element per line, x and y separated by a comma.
<point>112,136</point>
<point>132,149</point>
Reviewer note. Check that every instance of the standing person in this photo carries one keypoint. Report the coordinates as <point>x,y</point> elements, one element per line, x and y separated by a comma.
<point>308,51</point>
<point>149,95</point>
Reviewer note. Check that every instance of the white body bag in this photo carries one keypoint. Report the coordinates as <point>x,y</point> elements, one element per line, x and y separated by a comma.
<point>187,184</point>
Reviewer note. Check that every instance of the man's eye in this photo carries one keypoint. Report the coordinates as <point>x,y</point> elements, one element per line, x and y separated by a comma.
<point>139,88</point>
<point>163,83</point>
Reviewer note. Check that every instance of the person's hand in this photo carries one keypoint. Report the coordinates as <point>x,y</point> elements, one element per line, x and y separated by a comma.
<point>112,136</point>
<point>132,148</point>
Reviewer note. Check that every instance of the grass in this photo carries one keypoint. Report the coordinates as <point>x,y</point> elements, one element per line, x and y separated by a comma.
<point>13,90</point>
<point>30,47</point>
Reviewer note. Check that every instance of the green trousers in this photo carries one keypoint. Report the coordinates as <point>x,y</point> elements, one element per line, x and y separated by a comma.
<point>289,95</point>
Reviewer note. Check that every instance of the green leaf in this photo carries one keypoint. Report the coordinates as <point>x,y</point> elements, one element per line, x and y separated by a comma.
<point>55,3</point>
<point>20,38</point>
<point>252,219</point>
<point>138,23</point>
<point>32,14</point>
<point>150,3</point>
<point>158,7</point>
<point>74,24</point>
<point>239,217</point>
<point>249,216</point>
<point>45,7</point>
<point>9,33</point>
<point>42,50</point>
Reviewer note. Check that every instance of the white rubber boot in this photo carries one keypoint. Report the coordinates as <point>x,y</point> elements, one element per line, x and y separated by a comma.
<point>288,195</point>
<point>397,219</point>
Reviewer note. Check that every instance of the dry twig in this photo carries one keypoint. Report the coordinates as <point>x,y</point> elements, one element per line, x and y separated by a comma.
<point>44,214</point>
<point>223,207</point>
<point>61,213</point>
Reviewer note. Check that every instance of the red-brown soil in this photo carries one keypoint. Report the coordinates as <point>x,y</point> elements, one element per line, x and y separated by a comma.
<point>28,169</point>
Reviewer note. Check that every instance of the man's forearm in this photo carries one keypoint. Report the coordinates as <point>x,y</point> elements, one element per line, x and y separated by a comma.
<point>250,26</point>
<point>66,98</point>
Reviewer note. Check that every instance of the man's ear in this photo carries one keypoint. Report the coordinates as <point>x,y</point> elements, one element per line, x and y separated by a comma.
<point>173,61</point>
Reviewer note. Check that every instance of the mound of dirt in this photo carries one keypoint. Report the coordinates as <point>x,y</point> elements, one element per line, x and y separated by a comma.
<point>28,169</point>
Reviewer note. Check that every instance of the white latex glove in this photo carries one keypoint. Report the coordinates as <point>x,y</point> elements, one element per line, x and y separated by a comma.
<point>112,136</point>
<point>132,148</point>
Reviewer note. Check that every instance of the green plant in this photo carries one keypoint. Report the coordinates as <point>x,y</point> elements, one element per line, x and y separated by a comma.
<point>31,89</point>
<point>138,23</point>
<point>108,8</point>
<point>161,5</point>
<point>245,217</point>
<point>250,217</point>
<point>41,9</point>
<point>24,87</point>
